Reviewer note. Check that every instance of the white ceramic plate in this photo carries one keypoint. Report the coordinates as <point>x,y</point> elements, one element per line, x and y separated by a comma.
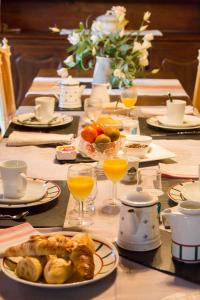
<point>106,260</point>
<point>60,119</point>
<point>52,191</point>
<point>153,121</point>
<point>189,121</point>
<point>175,192</point>
<point>35,190</point>
<point>157,152</point>
<point>191,191</point>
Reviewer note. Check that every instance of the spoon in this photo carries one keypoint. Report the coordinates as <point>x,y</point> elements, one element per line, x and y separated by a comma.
<point>170,97</point>
<point>15,217</point>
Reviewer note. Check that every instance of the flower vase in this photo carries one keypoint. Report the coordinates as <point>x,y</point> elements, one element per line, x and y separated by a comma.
<point>102,70</point>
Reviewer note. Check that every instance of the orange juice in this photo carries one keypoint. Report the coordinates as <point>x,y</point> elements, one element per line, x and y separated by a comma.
<point>115,169</point>
<point>128,101</point>
<point>80,186</point>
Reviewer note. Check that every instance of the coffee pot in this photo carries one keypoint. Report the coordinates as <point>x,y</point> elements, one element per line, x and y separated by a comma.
<point>184,221</point>
<point>101,90</point>
<point>138,225</point>
<point>70,93</point>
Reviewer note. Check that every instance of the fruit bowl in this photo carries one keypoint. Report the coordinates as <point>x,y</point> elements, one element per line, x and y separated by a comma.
<point>101,150</point>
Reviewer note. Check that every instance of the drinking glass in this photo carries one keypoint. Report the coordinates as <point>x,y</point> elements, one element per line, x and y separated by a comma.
<point>149,179</point>
<point>115,169</point>
<point>93,108</point>
<point>129,97</point>
<point>81,179</point>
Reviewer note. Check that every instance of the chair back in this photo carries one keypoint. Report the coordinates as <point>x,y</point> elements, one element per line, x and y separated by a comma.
<point>196,97</point>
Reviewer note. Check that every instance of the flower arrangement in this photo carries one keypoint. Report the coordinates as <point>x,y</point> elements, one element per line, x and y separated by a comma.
<point>128,51</point>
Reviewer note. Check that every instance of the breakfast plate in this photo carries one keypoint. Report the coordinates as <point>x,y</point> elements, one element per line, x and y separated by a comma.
<point>106,259</point>
<point>45,192</point>
<point>29,120</point>
<point>155,122</point>
<point>180,191</point>
<point>189,121</point>
<point>35,190</point>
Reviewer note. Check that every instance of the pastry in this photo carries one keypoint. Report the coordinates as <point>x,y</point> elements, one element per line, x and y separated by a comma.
<point>57,270</point>
<point>29,268</point>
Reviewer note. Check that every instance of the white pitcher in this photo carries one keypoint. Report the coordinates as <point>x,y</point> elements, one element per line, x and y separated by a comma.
<point>138,225</point>
<point>70,93</point>
<point>101,91</point>
<point>184,221</point>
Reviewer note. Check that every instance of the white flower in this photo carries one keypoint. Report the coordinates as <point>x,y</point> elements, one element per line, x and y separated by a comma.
<point>54,29</point>
<point>144,53</point>
<point>93,51</point>
<point>118,73</point>
<point>148,37</point>
<point>137,46</point>
<point>69,60</point>
<point>97,26</point>
<point>146,16</point>
<point>146,45</point>
<point>62,72</point>
<point>94,38</point>
<point>119,12</point>
<point>74,38</point>
<point>121,34</point>
<point>144,61</point>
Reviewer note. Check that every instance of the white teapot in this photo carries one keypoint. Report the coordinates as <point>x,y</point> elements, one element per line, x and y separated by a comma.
<point>101,91</point>
<point>70,93</point>
<point>184,221</point>
<point>138,225</point>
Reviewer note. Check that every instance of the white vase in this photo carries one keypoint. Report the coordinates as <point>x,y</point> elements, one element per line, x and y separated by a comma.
<point>102,70</point>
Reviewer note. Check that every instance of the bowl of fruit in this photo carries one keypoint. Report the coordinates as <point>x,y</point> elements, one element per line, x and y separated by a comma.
<point>99,142</point>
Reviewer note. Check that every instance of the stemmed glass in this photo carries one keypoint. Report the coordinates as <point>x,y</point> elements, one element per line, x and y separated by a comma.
<point>81,179</point>
<point>129,97</point>
<point>93,108</point>
<point>115,169</point>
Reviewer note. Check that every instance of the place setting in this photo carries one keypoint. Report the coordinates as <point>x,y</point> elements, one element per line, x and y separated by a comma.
<point>43,116</point>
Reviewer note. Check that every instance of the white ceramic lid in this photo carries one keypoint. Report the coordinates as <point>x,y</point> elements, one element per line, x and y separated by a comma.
<point>138,198</point>
<point>69,81</point>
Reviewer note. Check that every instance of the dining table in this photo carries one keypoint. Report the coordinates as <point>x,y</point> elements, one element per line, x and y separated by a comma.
<point>133,278</point>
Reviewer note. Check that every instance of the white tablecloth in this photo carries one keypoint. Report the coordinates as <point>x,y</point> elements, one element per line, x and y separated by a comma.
<point>130,281</point>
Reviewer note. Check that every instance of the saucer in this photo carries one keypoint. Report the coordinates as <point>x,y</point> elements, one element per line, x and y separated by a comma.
<point>183,192</point>
<point>188,121</point>
<point>191,122</point>
<point>35,190</point>
<point>29,120</point>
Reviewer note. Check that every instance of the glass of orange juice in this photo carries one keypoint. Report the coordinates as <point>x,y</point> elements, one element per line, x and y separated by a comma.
<point>129,97</point>
<point>81,180</point>
<point>115,169</point>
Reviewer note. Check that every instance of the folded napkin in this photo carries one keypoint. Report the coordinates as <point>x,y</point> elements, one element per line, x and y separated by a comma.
<point>179,170</point>
<point>15,235</point>
<point>20,138</point>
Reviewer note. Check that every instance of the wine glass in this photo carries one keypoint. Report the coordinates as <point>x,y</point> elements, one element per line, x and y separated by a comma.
<point>115,169</point>
<point>81,179</point>
<point>129,97</point>
<point>93,108</point>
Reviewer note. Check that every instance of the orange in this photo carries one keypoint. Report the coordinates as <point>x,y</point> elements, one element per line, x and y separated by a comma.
<point>89,134</point>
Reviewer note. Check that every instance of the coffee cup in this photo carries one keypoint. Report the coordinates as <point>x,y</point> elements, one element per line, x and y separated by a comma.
<point>13,176</point>
<point>175,112</point>
<point>44,108</point>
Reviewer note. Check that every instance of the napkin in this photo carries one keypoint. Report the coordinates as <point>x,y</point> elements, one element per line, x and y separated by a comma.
<point>20,138</point>
<point>15,235</point>
<point>178,170</point>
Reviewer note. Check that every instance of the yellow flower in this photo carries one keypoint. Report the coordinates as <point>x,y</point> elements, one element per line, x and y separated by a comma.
<point>147,16</point>
<point>54,29</point>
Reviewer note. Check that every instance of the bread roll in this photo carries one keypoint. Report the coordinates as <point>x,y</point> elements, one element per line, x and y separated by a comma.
<point>57,270</point>
<point>29,268</point>
<point>84,239</point>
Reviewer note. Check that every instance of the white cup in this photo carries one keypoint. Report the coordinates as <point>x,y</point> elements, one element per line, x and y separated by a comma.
<point>131,173</point>
<point>13,175</point>
<point>175,111</point>
<point>44,108</point>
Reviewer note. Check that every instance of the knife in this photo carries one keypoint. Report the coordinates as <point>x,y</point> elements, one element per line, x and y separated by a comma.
<point>176,133</point>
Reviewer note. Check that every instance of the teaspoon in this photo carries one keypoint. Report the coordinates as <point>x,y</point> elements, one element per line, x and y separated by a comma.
<point>15,217</point>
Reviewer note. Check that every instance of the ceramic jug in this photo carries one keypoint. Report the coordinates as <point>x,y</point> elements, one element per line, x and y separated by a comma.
<point>70,93</point>
<point>184,221</point>
<point>100,91</point>
<point>138,225</point>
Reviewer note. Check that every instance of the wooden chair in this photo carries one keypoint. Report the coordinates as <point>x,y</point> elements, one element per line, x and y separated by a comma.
<point>26,69</point>
<point>196,96</point>
<point>7,99</point>
<point>184,71</point>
